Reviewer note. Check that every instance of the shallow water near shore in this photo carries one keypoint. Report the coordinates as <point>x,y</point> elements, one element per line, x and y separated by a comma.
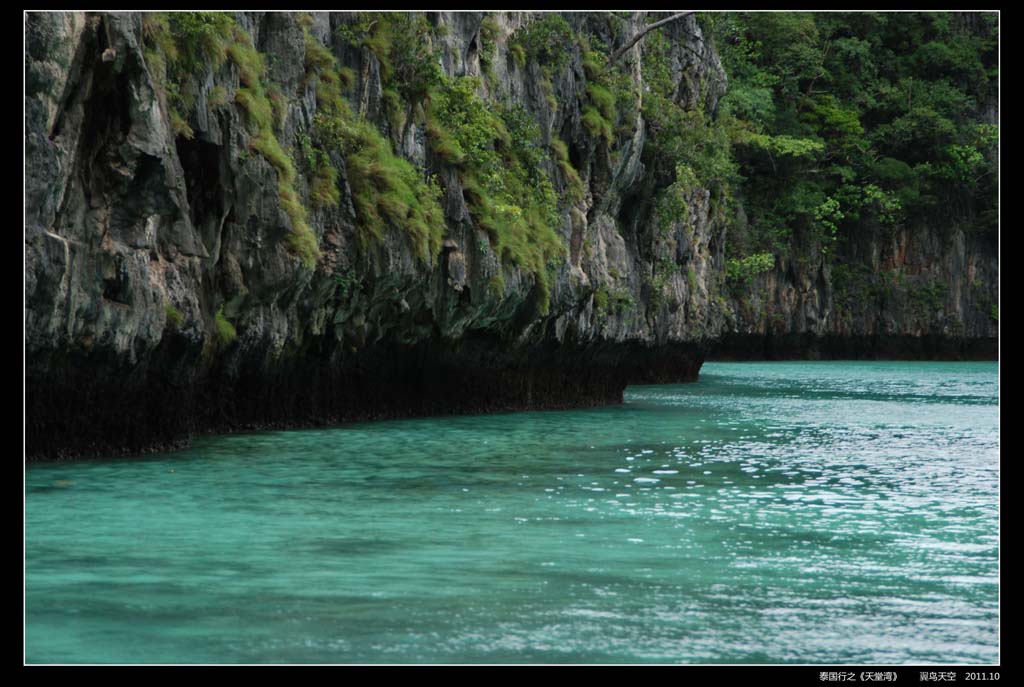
<point>808,512</point>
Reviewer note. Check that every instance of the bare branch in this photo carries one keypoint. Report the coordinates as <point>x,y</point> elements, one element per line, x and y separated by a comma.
<point>647,29</point>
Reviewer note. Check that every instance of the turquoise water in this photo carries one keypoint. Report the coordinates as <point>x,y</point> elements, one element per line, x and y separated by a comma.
<point>771,512</point>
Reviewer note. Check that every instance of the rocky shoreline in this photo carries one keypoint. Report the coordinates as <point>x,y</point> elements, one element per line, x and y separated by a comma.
<point>290,231</point>
<point>740,347</point>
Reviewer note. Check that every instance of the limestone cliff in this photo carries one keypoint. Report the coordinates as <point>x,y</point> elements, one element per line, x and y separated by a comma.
<point>252,220</point>
<point>929,291</point>
<point>171,287</point>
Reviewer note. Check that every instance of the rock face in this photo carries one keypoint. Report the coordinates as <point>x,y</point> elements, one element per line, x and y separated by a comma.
<point>143,243</point>
<point>164,296</point>
<point>926,292</point>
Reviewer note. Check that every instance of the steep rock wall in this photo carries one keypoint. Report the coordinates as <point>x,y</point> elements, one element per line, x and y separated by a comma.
<point>165,296</point>
<point>880,244</point>
<point>923,292</point>
<point>163,299</point>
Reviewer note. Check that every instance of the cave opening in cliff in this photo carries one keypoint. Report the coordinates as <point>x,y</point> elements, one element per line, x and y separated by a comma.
<point>201,164</point>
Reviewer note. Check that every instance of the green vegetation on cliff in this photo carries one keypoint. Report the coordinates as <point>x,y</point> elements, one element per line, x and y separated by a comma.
<point>547,40</point>
<point>833,124</point>
<point>689,143</point>
<point>225,330</point>
<point>386,188</point>
<point>182,46</point>
<point>740,272</point>
<point>498,152</point>
<point>502,166</point>
<point>845,121</point>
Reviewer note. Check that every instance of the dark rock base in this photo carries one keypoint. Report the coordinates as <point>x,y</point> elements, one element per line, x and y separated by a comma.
<point>91,410</point>
<point>735,347</point>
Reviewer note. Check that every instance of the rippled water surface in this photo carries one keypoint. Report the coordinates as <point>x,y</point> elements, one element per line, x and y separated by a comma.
<point>771,512</point>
